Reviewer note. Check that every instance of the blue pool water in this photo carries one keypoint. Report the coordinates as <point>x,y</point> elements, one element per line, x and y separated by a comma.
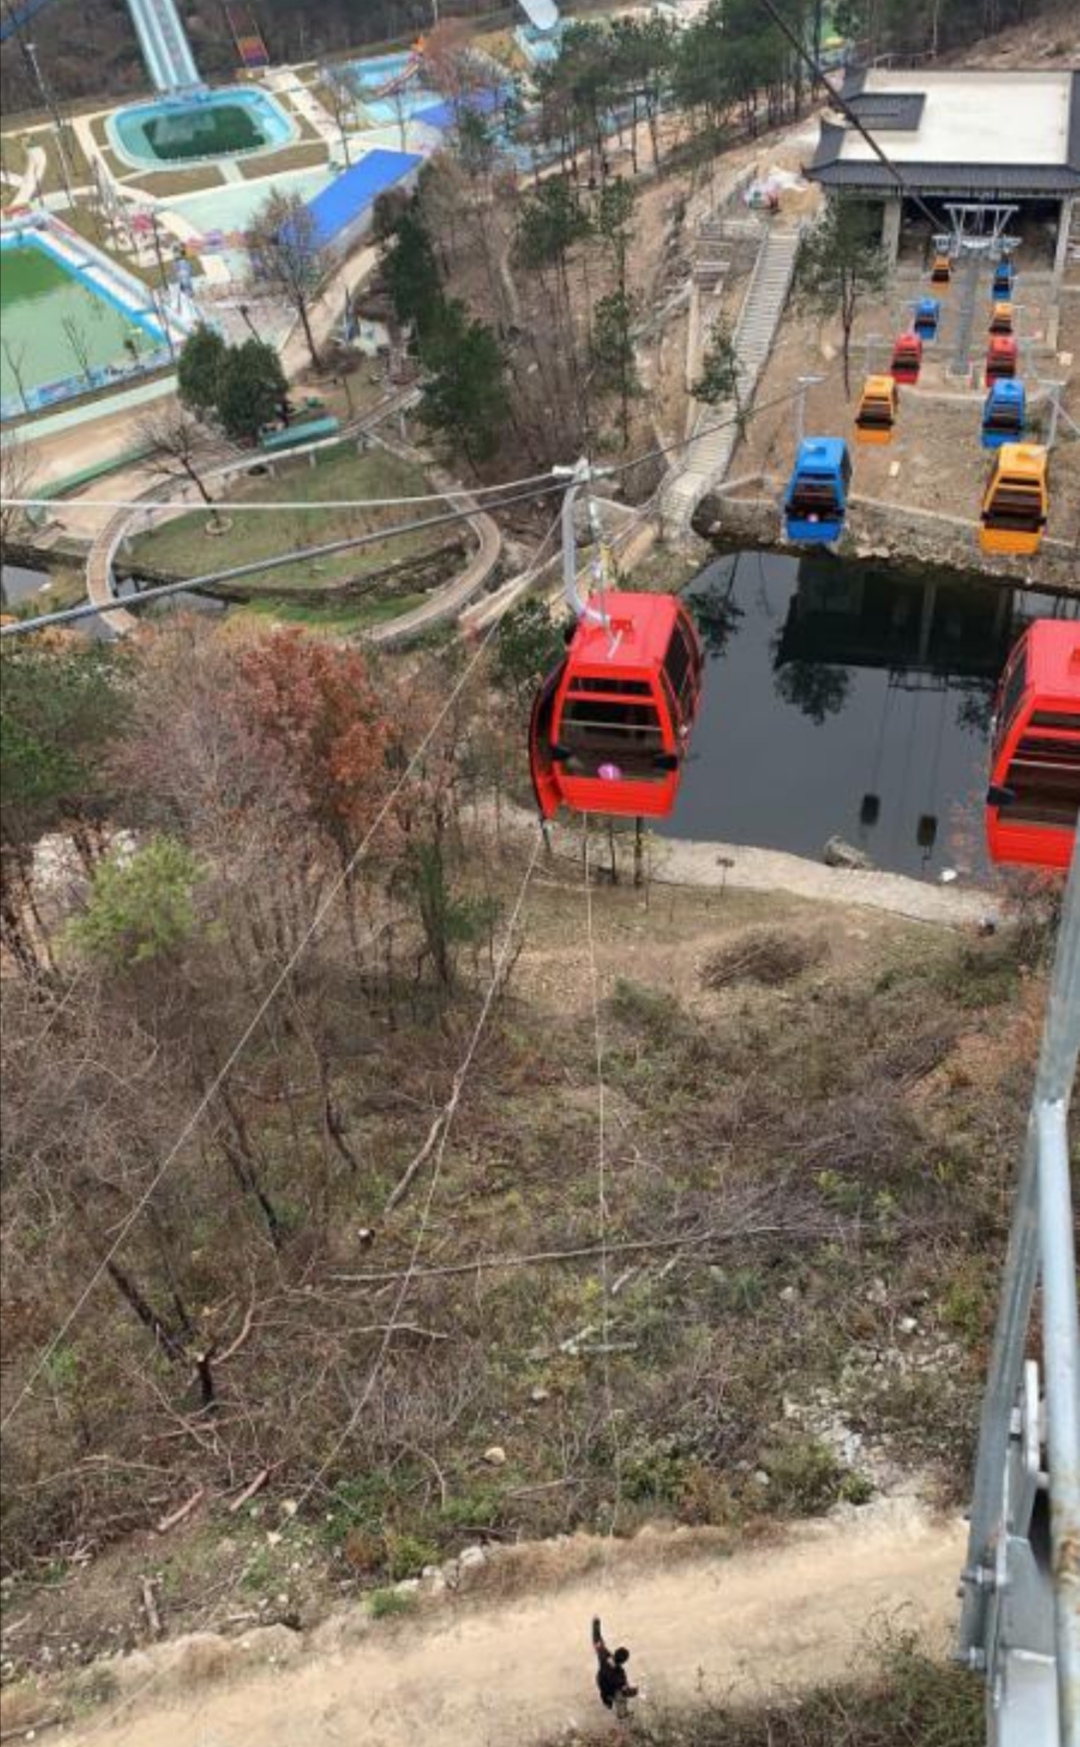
<point>176,131</point>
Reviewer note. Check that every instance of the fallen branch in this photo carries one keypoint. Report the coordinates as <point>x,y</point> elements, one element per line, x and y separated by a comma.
<point>234,1346</point>
<point>538,1258</point>
<point>250,1489</point>
<point>185,1510</point>
<point>398,1194</point>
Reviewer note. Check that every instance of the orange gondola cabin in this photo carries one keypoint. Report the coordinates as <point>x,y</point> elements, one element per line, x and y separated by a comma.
<point>1034,795</point>
<point>611,724</point>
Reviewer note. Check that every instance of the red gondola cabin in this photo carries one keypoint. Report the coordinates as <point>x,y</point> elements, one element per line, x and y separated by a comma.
<point>1034,795</point>
<point>611,723</point>
<point>906,358</point>
<point>1000,357</point>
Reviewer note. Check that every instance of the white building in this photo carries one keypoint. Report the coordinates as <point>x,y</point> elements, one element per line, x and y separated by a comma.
<point>957,136</point>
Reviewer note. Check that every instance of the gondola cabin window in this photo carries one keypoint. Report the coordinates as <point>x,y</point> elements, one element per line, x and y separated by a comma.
<point>1042,782</point>
<point>597,731</point>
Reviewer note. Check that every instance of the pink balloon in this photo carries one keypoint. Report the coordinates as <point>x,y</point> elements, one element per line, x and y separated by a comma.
<point>610,773</point>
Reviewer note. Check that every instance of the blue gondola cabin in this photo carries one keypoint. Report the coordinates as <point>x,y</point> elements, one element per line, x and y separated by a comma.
<point>611,723</point>
<point>1003,282</point>
<point>1003,413</point>
<point>815,502</point>
<point>927,316</point>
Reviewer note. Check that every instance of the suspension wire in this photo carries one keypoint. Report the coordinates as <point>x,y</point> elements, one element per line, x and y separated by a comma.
<point>841,103</point>
<point>601,1198</point>
<point>394,1321</point>
<point>69,615</point>
<point>250,505</point>
<point>745,418</point>
<point>261,1010</point>
<point>124,603</point>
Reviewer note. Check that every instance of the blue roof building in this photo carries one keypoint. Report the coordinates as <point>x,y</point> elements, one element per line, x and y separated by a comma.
<point>342,212</point>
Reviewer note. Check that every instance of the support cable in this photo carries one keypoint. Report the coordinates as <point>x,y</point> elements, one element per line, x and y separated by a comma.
<point>846,109</point>
<point>601,1198</point>
<point>256,566</point>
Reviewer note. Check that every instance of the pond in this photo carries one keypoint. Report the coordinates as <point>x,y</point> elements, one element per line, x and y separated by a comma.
<point>850,699</point>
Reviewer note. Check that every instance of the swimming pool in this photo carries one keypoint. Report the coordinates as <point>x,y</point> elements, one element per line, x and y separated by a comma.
<point>232,123</point>
<point>66,327</point>
<point>372,77</point>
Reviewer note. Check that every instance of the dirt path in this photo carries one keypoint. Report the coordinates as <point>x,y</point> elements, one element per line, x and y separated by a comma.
<point>502,1674</point>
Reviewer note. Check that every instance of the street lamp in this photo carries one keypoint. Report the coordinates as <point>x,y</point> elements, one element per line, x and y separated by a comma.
<point>802,383</point>
<point>48,102</point>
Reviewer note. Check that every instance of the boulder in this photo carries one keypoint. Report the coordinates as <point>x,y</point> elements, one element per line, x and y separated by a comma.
<point>837,853</point>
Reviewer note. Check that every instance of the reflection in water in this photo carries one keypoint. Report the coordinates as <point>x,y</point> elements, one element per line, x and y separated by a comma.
<point>847,698</point>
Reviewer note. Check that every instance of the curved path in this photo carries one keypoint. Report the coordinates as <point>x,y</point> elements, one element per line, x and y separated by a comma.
<point>499,1673</point>
<point>446,603</point>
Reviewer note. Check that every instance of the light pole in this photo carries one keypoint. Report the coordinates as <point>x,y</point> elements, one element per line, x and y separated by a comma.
<point>49,103</point>
<point>802,383</point>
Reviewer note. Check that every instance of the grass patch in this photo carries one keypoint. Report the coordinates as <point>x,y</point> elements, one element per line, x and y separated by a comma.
<point>299,157</point>
<point>183,547</point>
<point>333,620</point>
<point>389,1604</point>
<point>162,183</point>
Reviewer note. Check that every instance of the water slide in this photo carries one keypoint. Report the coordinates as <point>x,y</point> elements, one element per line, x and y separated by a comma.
<point>162,38</point>
<point>164,44</point>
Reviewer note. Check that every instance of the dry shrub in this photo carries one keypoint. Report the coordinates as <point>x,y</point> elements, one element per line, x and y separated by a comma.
<point>765,956</point>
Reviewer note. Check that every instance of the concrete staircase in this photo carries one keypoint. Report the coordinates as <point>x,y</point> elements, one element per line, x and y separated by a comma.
<point>706,459</point>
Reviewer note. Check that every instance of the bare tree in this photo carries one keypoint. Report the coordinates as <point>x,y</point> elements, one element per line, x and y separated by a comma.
<point>339,91</point>
<point>76,337</point>
<point>288,256</point>
<point>181,446</point>
<point>16,358</point>
<point>16,480</point>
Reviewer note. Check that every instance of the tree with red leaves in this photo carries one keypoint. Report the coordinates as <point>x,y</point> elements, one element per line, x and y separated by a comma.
<point>317,712</point>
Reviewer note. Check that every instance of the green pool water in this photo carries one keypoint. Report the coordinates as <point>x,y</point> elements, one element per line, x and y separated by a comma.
<point>214,133</point>
<point>50,322</point>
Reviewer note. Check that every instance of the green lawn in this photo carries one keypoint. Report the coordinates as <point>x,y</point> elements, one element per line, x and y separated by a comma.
<point>184,548</point>
<point>340,621</point>
<point>299,157</point>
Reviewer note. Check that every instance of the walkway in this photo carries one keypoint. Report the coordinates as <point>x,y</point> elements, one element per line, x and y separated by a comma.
<point>706,460</point>
<point>32,177</point>
<point>701,1623</point>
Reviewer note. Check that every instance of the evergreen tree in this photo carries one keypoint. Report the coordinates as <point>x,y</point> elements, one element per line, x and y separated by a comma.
<point>197,370</point>
<point>465,397</point>
<point>841,263</point>
<point>251,387</point>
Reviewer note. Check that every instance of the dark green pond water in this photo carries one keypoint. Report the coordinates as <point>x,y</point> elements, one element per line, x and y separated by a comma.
<point>847,698</point>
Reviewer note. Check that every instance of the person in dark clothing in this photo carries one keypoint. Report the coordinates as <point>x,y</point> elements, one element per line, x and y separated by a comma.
<point>611,1677</point>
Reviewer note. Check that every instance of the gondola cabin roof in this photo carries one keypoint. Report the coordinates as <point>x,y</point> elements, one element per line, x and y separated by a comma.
<point>636,637</point>
<point>1052,649</point>
<point>820,455</point>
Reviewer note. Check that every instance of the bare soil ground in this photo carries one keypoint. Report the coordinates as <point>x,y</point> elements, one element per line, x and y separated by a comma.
<point>493,1672</point>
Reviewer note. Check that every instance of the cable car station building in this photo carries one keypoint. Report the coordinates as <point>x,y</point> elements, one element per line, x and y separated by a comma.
<point>958,137</point>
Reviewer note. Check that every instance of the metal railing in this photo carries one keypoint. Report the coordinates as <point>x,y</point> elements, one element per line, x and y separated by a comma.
<point>1020,1623</point>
